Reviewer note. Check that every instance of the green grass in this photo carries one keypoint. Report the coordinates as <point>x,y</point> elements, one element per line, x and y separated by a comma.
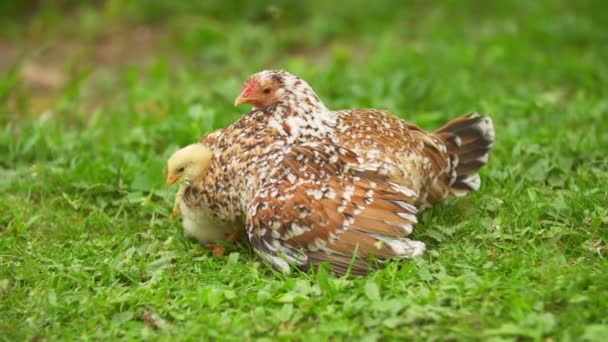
<point>87,247</point>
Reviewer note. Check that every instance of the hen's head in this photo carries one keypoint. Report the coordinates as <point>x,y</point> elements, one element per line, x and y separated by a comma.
<point>268,87</point>
<point>189,163</point>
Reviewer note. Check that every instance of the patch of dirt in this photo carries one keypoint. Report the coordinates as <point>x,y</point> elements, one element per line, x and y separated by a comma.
<point>9,54</point>
<point>43,73</point>
<point>39,77</point>
<point>153,320</point>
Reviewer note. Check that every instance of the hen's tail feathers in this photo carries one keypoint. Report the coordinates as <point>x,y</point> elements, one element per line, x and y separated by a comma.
<point>468,139</point>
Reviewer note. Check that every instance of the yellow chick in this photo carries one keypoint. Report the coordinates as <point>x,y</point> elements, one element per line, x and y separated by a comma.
<point>191,164</point>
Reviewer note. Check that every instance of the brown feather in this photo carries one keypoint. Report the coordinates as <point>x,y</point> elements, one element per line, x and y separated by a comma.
<point>314,204</point>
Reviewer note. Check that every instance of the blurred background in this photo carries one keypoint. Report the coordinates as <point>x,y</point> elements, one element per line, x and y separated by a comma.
<point>95,96</point>
<point>144,77</point>
<point>97,50</point>
<point>130,81</point>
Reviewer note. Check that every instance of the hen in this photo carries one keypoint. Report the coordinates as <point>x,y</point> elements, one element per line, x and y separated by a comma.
<point>314,185</point>
<point>303,203</point>
<point>433,165</point>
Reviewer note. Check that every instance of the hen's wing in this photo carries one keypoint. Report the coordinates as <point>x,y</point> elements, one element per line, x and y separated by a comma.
<point>319,206</point>
<point>403,151</point>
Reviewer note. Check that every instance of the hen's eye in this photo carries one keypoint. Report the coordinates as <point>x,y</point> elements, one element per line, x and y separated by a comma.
<point>266,90</point>
<point>181,169</point>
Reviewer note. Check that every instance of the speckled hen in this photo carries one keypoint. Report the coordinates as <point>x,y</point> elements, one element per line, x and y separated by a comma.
<point>303,203</point>
<point>312,185</point>
<point>433,165</point>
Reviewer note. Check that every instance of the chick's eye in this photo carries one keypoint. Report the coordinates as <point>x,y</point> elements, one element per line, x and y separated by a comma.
<point>266,90</point>
<point>181,169</point>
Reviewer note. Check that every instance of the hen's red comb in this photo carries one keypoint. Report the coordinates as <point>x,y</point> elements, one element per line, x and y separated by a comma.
<point>249,86</point>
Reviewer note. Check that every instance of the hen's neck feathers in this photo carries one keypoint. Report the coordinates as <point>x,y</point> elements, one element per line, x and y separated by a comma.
<point>297,93</point>
<point>300,112</point>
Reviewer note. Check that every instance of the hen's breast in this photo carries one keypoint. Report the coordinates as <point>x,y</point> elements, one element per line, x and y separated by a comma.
<point>246,154</point>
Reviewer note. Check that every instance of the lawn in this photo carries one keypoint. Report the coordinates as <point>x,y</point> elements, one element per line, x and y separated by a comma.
<point>94,97</point>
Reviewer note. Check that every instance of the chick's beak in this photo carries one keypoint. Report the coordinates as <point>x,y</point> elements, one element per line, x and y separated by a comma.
<point>171,179</point>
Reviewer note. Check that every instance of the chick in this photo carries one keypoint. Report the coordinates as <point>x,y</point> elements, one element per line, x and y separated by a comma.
<point>191,164</point>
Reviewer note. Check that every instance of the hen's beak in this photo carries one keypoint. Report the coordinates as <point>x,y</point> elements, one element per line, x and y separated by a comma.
<point>171,179</point>
<point>243,99</point>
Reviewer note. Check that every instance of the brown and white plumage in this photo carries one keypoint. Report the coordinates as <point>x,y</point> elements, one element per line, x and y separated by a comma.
<point>316,206</point>
<point>315,185</point>
<point>432,164</point>
<point>313,205</point>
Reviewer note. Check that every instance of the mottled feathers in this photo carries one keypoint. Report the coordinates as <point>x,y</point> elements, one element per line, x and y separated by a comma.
<point>315,201</point>
<point>315,185</point>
